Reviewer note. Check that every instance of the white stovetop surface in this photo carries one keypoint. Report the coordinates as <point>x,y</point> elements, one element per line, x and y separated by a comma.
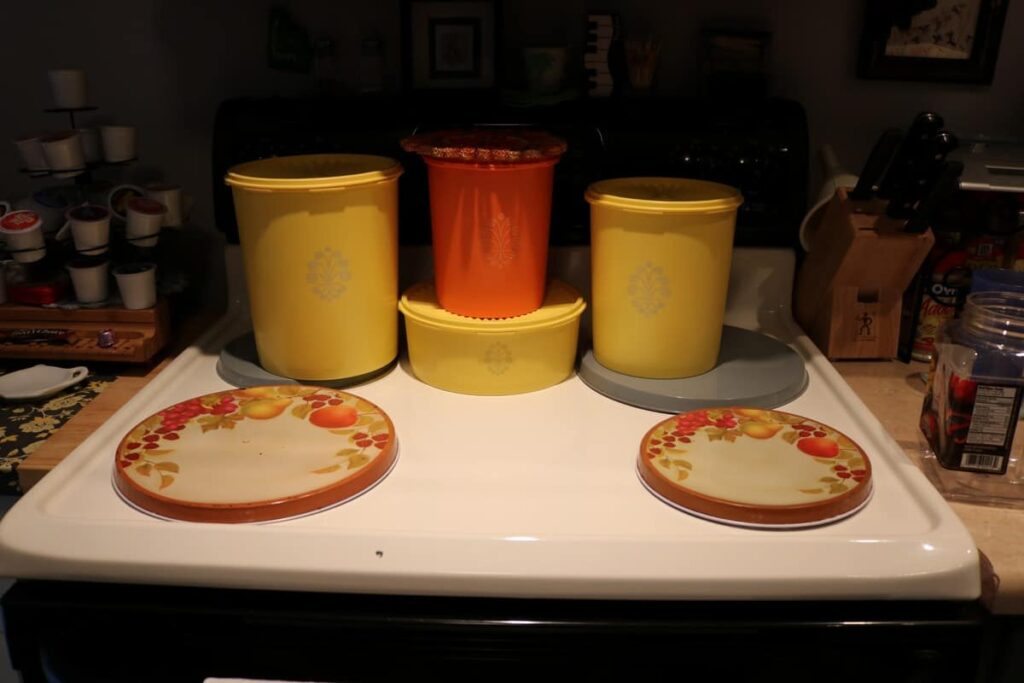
<point>532,495</point>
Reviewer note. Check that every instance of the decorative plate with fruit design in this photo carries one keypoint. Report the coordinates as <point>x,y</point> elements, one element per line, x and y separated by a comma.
<point>755,467</point>
<point>256,454</point>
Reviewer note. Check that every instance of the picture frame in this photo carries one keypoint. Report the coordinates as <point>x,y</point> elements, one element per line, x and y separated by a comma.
<point>955,41</point>
<point>733,63</point>
<point>450,44</point>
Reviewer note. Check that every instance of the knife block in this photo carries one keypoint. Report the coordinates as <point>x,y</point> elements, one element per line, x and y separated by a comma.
<point>850,285</point>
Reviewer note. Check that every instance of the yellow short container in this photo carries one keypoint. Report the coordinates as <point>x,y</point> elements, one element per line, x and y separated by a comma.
<point>661,249</point>
<point>319,236</point>
<point>492,356</point>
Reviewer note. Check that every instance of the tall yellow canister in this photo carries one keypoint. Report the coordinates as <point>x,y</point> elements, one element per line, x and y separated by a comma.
<point>661,249</point>
<point>319,236</point>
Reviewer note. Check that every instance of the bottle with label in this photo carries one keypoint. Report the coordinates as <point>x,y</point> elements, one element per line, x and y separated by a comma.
<point>946,279</point>
<point>969,418</point>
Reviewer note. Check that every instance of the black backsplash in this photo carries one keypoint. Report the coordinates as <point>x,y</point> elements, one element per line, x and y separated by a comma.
<point>758,147</point>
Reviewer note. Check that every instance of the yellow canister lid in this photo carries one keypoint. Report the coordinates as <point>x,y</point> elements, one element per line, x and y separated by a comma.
<point>664,195</point>
<point>313,172</point>
<point>562,303</point>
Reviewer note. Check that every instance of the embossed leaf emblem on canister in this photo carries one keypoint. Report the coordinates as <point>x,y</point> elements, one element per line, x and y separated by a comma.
<point>327,272</point>
<point>501,251</point>
<point>498,358</point>
<point>648,289</point>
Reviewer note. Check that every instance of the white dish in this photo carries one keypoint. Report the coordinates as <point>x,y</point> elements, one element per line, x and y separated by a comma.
<point>39,381</point>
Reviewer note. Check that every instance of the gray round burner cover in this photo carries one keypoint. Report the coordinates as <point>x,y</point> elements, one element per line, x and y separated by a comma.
<point>753,370</point>
<point>239,364</point>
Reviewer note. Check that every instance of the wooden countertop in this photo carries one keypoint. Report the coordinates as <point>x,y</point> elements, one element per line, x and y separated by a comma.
<point>893,391</point>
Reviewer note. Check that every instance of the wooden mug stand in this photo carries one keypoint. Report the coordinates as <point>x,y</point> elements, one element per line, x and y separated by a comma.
<point>850,286</point>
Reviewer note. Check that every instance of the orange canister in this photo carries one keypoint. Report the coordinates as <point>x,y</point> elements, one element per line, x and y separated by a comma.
<point>490,210</point>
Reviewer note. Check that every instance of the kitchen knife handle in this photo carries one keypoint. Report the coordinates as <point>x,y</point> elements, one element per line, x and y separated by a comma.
<point>925,127</point>
<point>878,160</point>
<point>947,182</point>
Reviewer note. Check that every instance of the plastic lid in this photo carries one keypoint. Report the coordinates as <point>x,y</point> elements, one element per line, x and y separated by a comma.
<point>561,303</point>
<point>16,221</point>
<point>146,205</point>
<point>755,467</point>
<point>487,145</point>
<point>313,172</point>
<point>664,195</point>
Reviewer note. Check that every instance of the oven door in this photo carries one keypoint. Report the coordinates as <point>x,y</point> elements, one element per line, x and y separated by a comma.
<point>104,632</point>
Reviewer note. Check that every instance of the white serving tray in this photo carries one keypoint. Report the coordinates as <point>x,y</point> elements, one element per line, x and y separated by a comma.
<point>531,496</point>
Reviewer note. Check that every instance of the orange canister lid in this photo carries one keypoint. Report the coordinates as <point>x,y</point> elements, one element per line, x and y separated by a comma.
<point>487,145</point>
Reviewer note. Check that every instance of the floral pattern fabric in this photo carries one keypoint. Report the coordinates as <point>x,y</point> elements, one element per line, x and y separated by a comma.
<point>24,427</point>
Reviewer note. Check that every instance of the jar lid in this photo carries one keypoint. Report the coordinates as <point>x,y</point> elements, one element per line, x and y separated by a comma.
<point>16,221</point>
<point>487,145</point>
<point>313,172</point>
<point>755,467</point>
<point>664,195</point>
<point>561,303</point>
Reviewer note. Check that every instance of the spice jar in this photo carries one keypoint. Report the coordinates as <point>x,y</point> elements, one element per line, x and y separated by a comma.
<point>970,413</point>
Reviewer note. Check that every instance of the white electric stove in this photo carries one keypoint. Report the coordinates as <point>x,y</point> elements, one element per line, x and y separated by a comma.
<point>528,496</point>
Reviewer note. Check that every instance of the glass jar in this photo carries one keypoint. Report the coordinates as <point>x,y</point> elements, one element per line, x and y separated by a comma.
<point>970,416</point>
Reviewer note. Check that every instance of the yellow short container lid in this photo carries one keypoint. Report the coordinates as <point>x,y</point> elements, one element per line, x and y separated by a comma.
<point>664,195</point>
<point>312,172</point>
<point>562,303</point>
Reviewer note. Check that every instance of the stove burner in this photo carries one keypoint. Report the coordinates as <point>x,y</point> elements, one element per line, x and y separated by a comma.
<point>239,365</point>
<point>753,370</point>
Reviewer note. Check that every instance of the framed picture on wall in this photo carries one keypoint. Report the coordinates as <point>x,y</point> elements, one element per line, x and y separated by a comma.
<point>931,40</point>
<point>449,44</point>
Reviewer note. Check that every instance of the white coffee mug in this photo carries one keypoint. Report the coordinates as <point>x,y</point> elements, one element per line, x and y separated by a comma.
<point>89,226</point>
<point>91,147</point>
<point>89,280</point>
<point>64,154</point>
<point>117,199</point>
<point>171,196</point>
<point>137,284</point>
<point>50,204</point>
<point>68,88</point>
<point>118,143</point>
<point>30,148</point>
<point>143,221</point>
<point>23,233</point>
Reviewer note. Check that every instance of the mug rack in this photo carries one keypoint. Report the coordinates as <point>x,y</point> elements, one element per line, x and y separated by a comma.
<point>34,327</point>
<point>82,176</point>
